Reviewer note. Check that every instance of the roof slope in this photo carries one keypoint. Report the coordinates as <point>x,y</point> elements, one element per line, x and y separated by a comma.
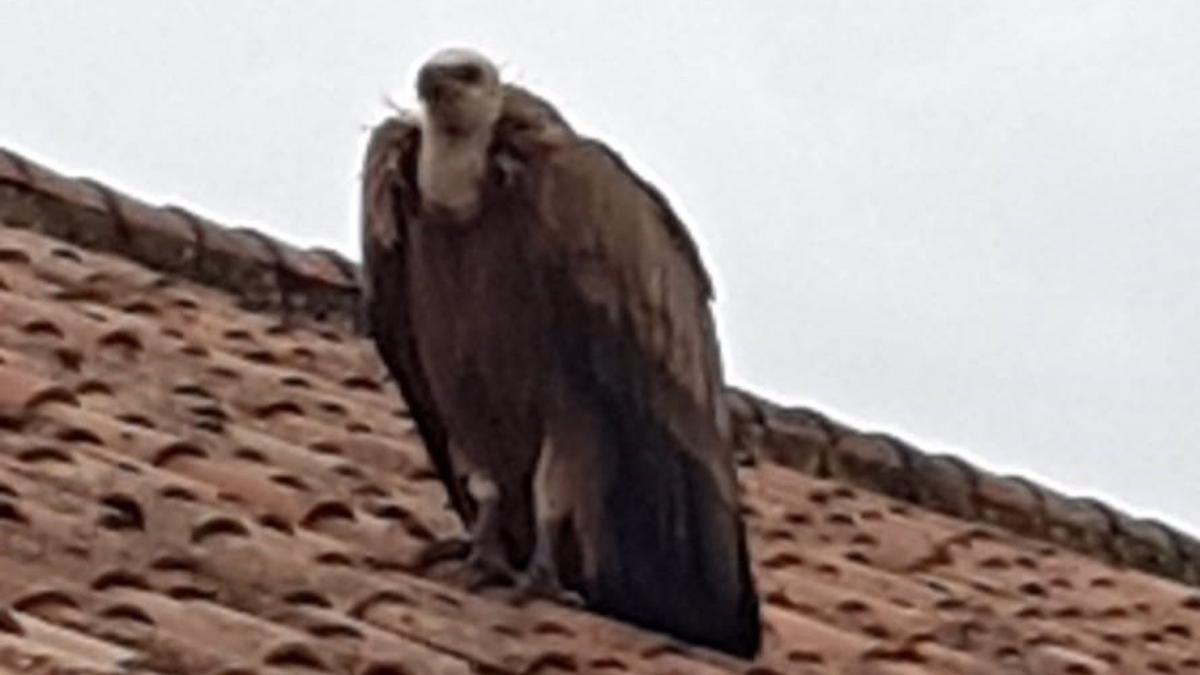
<point>204,469</point>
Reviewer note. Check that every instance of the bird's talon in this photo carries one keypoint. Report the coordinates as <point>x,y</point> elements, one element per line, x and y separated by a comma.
<point>483,571</point>
<point>442,550</point>
<point>540,583</point>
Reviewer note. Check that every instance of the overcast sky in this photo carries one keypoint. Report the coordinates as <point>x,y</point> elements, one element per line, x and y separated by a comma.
<point>975,224</point>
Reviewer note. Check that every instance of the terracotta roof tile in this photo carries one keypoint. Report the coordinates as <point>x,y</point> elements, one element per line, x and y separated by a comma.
<point>203,468</point>
<point>12,167</point>
<point>79,193</point>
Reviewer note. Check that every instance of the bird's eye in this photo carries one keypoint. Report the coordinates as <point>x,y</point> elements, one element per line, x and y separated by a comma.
<point>470,74</point>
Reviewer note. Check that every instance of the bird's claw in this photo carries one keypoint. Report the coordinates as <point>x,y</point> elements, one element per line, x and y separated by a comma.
<point>442,550</point>
<point>538,582</point>
<point>484,571</point>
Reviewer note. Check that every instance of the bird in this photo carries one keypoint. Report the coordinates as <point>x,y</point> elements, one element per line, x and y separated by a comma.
<point>547,319</point>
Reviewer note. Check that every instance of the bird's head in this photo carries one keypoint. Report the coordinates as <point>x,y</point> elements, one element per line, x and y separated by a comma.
<point>461,91</point>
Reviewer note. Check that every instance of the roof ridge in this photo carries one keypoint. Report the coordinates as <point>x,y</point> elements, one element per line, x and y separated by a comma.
<point>270,275</point>
<point>265,273</point>
<point>809,441</point>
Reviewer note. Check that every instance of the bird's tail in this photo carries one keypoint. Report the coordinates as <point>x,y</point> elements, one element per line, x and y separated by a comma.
<point>674,551</point>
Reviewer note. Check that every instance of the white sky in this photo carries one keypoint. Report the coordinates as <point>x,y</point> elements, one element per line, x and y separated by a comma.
<point>974,224</point>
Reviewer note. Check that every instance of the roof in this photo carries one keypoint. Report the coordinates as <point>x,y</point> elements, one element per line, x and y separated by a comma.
<point>203,469</point>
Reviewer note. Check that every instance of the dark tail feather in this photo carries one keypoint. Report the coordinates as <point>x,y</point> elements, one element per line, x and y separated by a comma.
<point>675,559</point>
<point>748,641</point>
<point>668,552</point>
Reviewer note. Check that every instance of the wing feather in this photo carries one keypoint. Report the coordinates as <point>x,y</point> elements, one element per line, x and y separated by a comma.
<point>389,202</point>
<point>628,253</point>
<point>631,311</point>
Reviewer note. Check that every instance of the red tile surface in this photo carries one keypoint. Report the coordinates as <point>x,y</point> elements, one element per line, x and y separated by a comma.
<point>201,478</point>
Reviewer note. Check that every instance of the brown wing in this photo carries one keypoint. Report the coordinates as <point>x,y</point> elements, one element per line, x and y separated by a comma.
<point>631,314</point>
<point>389,202</point>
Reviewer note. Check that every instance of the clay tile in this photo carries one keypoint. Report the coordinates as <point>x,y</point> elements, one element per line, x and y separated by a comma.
<point>218,526</point>
<point>547,627</point>
<point>333,630</point>
<point>334,559</point>
<point>1146,545</point>
<point>315,284</point>
<point>792,439</point>
<point>1190,549</point>
<point>178,450</point>
<point>12,168</point>
<point>39,454</point>
<point>945,483</point>
<point>74,191</point>
<point>237,670</point>
<point>276,522</point>
<point>32,602</point>
<point>327,510</point>
<point>21,392</point>
<point>14,256</point>
<point>1055,660</point>
<point>249,243</point>
<point>873,461</point>
<point>293,654</point>
<point>362,382</point>
<point>294,482</point>
<point>362,609</point>
<point>553,661</point>
<point>386,668</point>
<point>12,513</point>
<point>278,408</point>
<point>9,623</point>
<point>903,653</point>
<point>744,407</point>
<point>1082,524</point>
<point>121,512</point>
<point>237,261</point>
<point>122,339</point>
<point>348,270</point>
<point>1010,502</point>
<point>313,267</point>
<point>175,563</point>
<point>128,612</point>
<point>308,598</point>
<point>134,214</point>
<point>327,446</point>
<point>119,578</point>
<point>159,237</point>
<point>46,181</point>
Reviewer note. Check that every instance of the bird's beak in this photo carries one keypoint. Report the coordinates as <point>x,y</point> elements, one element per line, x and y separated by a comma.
<point>430,85</point>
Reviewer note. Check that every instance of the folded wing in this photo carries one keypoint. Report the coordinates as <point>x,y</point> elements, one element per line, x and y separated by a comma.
<point>631,311</point>
<point>389,204</point>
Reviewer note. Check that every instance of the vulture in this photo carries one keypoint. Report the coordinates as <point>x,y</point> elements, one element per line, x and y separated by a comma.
<point>545,315</point>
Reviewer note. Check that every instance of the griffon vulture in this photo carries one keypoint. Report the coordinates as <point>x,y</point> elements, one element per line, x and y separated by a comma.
<point>546,317</point>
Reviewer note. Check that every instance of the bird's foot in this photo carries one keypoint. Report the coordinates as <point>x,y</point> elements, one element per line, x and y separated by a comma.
<point>540,582</point>
<point>442,550</point>
<point>485,570</point>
